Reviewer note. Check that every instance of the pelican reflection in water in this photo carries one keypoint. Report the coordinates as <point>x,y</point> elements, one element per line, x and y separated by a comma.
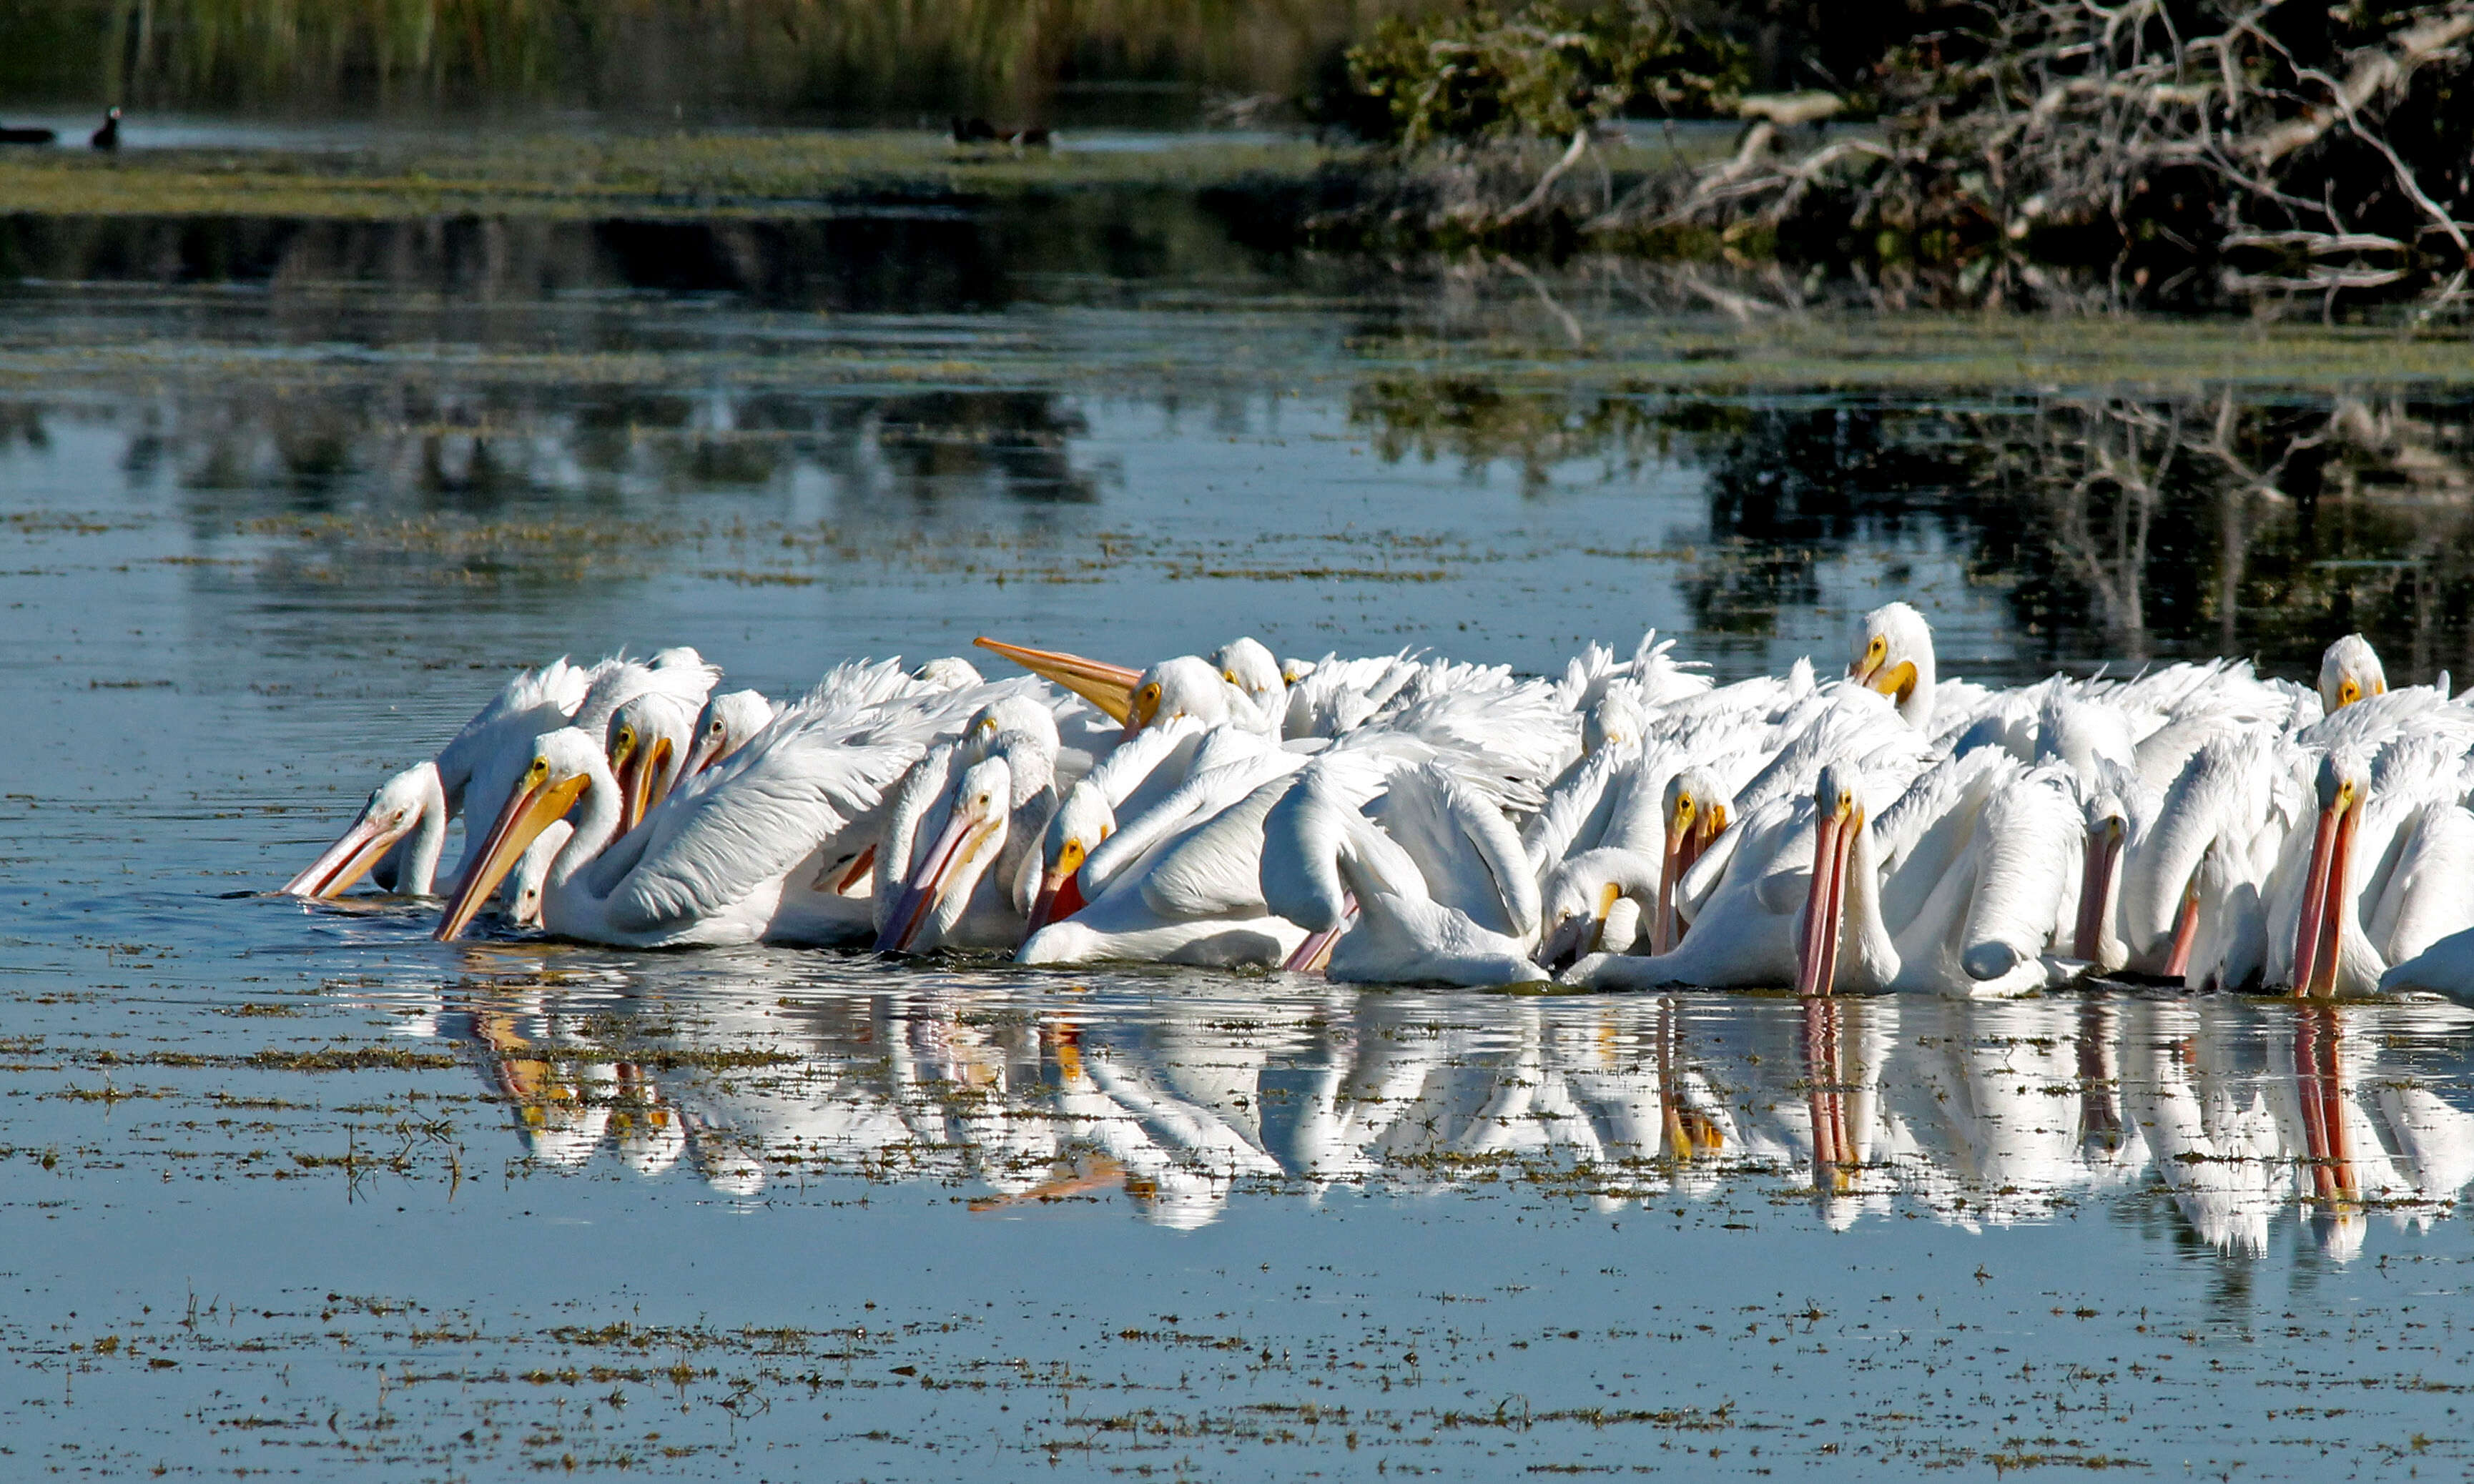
<point>1978,1113</point>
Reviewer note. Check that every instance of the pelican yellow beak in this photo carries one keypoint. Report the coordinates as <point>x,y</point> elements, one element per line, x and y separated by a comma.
<point>1108,686</point>
<point>1898,682</point>
<point>536,806</point>
<point>349,859</point>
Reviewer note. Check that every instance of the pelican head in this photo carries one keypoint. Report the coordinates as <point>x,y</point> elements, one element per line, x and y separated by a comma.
<point>1304,836</point>
<point>724,727</point>
<point>974,830</point>
<point>1894,654</point>
<point>1248,666</point>
<point>947,672</point>
<point>1021,717</point>
<point>2343,784</point>
<point>395,807</point>
<point>648,739</point>
<point>1839,801</point>
<point>1078,827</point>
<point>2349,670</point>
<point>1184,686</point>
<point>564,764</point>
<point>1617,721</point>
<point>1697,812</point>
<point>525,884</point>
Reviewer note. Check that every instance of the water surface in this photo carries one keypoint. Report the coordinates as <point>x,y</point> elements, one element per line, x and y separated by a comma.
<point>292,1188</point>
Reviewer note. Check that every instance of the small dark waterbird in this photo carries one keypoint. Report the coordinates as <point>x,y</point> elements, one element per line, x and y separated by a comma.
<point>108,137</point>
<point>9,135</point>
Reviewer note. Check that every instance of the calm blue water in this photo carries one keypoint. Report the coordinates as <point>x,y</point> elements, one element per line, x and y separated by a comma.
<point>299,1190</point>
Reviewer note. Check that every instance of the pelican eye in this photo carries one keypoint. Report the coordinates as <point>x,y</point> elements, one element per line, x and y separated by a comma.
<point>540,768</point>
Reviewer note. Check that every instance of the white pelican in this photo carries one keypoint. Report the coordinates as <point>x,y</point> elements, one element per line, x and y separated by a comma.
<point>1957,890</point>
<point>678,672</point>
<point>1178,882</point>
<point>1583,891</point>
<point>2350,671</point>
<point>2386,872</point>
<point>727,858</point>
<point>964,834</point>
<point>1465,915</point>
<point>402,832</point>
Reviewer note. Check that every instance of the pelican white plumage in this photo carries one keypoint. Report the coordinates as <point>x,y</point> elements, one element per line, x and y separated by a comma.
<point>1452,904</point>
<point>964,834</point>
<point>1197,898</point>
<point>739,854</point>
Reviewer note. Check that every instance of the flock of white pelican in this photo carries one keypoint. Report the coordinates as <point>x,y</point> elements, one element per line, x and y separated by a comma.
<point>1403,819</point>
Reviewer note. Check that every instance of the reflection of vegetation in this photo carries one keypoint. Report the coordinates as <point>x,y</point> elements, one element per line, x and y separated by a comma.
<point>1476,421</point>
<point>2128,527</point>
<point>1015,438</point>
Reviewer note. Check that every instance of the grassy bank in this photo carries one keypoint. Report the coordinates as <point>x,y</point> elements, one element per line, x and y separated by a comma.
<point>584,175</point>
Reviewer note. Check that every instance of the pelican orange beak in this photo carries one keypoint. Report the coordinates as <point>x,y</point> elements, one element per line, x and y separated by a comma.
<point>2186,931</point>
<point>2095,888</point>
<point>1313,954</point>
<point>1060,890</point>
<point>536,806</point>
<point>1824,908</point>
<point>1108,686</point>
<point>2324,896</point>
<point>966,832</point>
<point>349,859</point>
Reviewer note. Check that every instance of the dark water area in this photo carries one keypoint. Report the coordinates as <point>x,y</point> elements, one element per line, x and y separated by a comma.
<point>298,1189</point>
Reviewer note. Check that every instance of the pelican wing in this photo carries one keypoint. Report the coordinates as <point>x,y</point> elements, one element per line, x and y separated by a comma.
<point>798,782</point>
